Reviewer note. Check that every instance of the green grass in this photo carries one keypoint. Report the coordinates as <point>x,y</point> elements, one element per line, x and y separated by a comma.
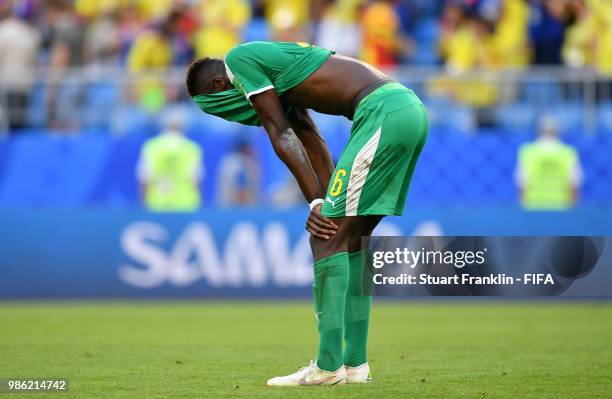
<point>217,350</point>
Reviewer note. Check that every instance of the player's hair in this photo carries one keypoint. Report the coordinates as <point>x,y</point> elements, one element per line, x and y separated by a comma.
<point>200,74</point>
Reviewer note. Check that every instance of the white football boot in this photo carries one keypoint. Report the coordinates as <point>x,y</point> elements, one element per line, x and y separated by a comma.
<point>358,375</point>
<point>291,379</point>
<point>309,375</point>
<point>316,376</point>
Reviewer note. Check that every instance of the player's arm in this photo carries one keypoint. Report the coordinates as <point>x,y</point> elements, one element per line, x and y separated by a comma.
<point>314,144</point>
<point>290,150</point>
<point>319,156</point>
<point>286,144</point>
<point>247,73</point>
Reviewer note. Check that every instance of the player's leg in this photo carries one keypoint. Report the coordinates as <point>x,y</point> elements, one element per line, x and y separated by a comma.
<point>342,298</point>
<point>331,279</point>
<point>359,302</point>
<point>331,282</point>
<point>378,183</point>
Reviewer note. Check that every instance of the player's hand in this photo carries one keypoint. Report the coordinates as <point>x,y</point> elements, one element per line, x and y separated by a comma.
<point>319,226</point>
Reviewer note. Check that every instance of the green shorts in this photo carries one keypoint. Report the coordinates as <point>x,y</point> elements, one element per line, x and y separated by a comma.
<point>374,171</point>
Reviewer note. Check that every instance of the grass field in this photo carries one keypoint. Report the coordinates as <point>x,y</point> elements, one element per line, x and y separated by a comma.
<point>216,350</point>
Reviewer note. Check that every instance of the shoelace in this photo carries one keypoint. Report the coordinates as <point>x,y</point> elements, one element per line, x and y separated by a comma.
<point>310,367</point>
<point>305,367</point>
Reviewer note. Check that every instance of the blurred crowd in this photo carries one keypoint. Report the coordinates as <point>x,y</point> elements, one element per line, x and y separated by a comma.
<point>145,34</point>
<point>141,36</point>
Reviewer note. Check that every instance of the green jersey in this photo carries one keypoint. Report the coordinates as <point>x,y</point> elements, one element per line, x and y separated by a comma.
<point>257,67</point>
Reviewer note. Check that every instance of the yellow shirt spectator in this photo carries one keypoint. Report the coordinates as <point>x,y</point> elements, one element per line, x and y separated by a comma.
<point>602,10</point>
<point>222,24</point>
<point>381,42</point>
<point>510,37</point>
<point>150,51</point>
<point>154,9</point>
<point>578,45</point>
<point>96,8</point>
<point>469,48</point>
<point>150,54</point>
<point>287,14</point>
<point>589,41</point>
<point>347,10</point>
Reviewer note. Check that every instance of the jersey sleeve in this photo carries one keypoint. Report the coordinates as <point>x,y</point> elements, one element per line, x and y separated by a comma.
<point>246,73</point>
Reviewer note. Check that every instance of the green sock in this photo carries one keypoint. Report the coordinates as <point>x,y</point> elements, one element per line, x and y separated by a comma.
<point>357,312</point>
<point>329,295</point>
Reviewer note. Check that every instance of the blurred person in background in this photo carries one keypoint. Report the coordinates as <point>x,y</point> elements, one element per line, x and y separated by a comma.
<point>470,46</point>
<point>382,39</point>
<point>94,9</point>
<point>450,21</point>
<point>581,36</point>
<point>149,58</point>
<point>510,37</point>
<point>238,179</point>
<point>65,40</point>
<point>547,30</point>
<point>184,27</point>
<point>130,26</point>
<point>65,35</point>
<point>497,30</point>
<point>485,34</point>
<point>288,19</point>
<point>222,22</point>
<point>155,10</point>
<point>19,49</point>
<point>170,170</point>
<point>102,41</point>
<point>335,25</point>
<point>468,51</point>
<point>407,15</point>
<point>588,41</point>
<point>602,11</point>
<point>548,173</point>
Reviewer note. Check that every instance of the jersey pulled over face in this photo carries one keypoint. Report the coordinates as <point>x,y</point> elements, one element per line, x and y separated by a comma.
<point>257,67</point>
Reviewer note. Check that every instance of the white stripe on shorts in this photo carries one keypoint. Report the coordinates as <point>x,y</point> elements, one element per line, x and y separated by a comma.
<point>359,173</point>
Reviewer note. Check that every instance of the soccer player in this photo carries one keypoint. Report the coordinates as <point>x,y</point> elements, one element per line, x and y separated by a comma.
<point>275,84</point>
